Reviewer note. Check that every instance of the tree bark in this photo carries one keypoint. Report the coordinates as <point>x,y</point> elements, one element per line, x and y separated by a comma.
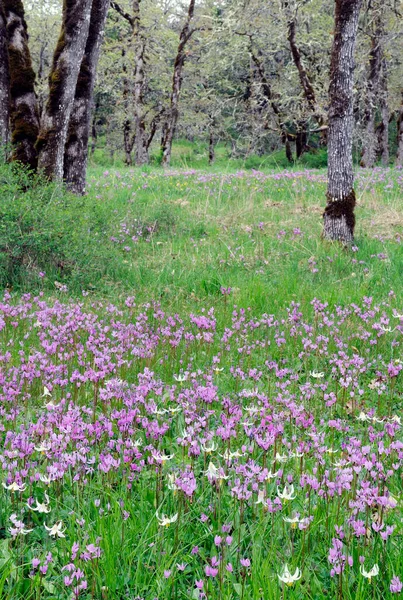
<point>383,133</point>
<point>375,65</point>
<point>141,146</point>
<point>267,92</point>
<point>170,125</point>
<point>399,155</point>
<point>211,146</point>
<point>63,78</point>
<point>23,102</point>
<point>4,83</point>
<point>339,218</point>
<point>76,150</point>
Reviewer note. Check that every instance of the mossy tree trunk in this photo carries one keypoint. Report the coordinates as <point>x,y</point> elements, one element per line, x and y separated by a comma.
<point>23,102</point>
<point>4,83</point>
<point>173,115</point>
<point>76,150</point>
<point>63,78</point>
<point>383,130</point>
<point>339,218</point>
<point>399,155</point>
<point>370,144</point>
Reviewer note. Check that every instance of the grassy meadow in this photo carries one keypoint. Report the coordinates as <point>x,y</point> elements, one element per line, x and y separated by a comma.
<point>199,397</point>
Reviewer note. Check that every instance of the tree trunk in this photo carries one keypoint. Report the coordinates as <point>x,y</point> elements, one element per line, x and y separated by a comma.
<point>23,103</point>
<point>170,126</point>
<point>375,66</point>
<point>267,92</point>
<point>301,139</point>
<point>211,146</point>
<point>139,82</point>
<point>4,83</point>
<point>383,136</point>
<point>76,150</point>
<point>63,78</point>
<point>399,155</point>
<point>339,218</point>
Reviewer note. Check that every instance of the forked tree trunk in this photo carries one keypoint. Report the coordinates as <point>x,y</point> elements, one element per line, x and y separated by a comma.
<point>4,83</point>
<point>23,103</point>
<point>399,155</point>
<point>375,65</point>
<point>67,61</point>
<point>76,150</point>
<point>170,125</point>
<point>339,218</point>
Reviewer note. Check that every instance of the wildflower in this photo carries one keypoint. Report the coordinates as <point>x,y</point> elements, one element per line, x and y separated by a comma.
<point>271,475</point>
<point>281,458</point>
<point>261,496</point>
<point>46,392</point>
<point>396,585</point>
<point>287,493</point>
<point>369,574</point>
<point>287,578</point>
<point>56,530</point>
<point>180,378</point>
<point>294,521</point>
<point>162,458</point>
<point>43,448</point>
<point>316,375</point>
<point>228,455</point>
<point>165,521</point>
<point>18,527</point>
<point>41,507</point>
<point>14,487</point>
<point>208,448</point>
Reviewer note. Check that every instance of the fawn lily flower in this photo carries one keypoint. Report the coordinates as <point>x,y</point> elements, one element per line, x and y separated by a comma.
<point>271,475</point>
<point>294,521</point>
<point>369,574</point>
<point>171,482</point>
<point>214,473</point>
<point>165,521</point>
<point>316,375</point>
<point>46,392</point>
<point>56,530</point>
<point>43,448</point>
<point>209,447</point>
<point>41,507</point>
<point>162,458</point>
<point>228,455</point>
<point>287,578</point>
<point>396,419</point>
<point>363,417</point>
<point>14,487</point>
<point>287,493</point>
<point>261,496</point>
<point>45,479</point>
<point>180,378</point>
<point>281,458</point>
<point>18,527</point>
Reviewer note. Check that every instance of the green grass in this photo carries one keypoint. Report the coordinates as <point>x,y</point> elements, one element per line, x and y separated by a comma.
<point>181,243</point>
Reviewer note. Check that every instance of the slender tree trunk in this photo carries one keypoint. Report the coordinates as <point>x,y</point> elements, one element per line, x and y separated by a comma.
<point>339,218</point>
<point>4,83</point>
<point>76,150</point>
<point>66,66</point>
<point>267,92</point>
<point>383,136</point>
<point>23,103</point>
<point>399,155</point>
<point>211,146</point>
<point>172,120</point>
<point>139,82</point>
<point>308,89</point>
<point>375,66</point>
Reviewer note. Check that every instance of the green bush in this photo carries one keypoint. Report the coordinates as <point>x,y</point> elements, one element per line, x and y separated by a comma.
<point>47,235</point>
